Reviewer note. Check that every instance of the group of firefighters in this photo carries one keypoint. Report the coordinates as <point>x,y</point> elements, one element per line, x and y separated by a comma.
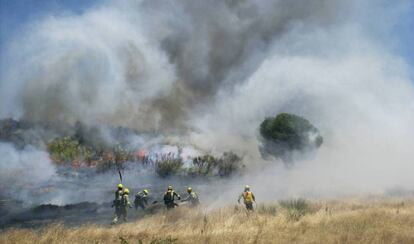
<point>122,203</point>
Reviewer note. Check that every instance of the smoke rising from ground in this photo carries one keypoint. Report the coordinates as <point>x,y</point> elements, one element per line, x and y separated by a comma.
<point>211,71</point>
<point>22,171</point>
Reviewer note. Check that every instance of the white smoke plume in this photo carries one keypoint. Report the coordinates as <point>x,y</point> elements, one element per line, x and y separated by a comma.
<point>22,171</point>
<point>209,72</point>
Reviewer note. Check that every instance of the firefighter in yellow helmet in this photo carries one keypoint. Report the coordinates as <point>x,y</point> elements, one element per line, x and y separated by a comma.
<point>141,199</point>
<point>248,198</point>
<point>192,197</point>
<point>122,209</point>
<point>118,195</point>
<point>169,197</point>
<point>117,202</point>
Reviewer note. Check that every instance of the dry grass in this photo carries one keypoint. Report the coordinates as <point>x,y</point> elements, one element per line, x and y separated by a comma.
<point>350,221</point>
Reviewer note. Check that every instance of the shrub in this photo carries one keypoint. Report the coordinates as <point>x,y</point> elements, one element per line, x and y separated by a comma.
<point>120,154</point>
<point>296,208</point>
<point>203,166</point>
<point>167,240</point>
<point>229,164</point>
<point>208,165</point>
<point>67,149</point>
<point>168,167</point>
<point>267,209</point>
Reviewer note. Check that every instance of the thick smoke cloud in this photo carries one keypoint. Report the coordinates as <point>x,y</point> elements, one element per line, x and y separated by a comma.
<point>147,64</point>
<point>211,71</point>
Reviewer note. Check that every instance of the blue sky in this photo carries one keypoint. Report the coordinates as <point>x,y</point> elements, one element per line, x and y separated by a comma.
<point>404,32</point>
<point>14,14</point>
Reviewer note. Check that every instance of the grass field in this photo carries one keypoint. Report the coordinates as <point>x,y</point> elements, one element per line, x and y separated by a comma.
<point>377,220</point>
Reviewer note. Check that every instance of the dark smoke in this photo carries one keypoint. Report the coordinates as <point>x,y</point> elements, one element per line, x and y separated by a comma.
<point>155,64</point>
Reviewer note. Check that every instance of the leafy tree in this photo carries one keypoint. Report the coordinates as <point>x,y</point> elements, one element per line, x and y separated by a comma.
<point>287,133</point>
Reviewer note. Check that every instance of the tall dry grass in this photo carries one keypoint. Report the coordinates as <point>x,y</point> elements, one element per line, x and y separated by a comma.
<point>350,221</point>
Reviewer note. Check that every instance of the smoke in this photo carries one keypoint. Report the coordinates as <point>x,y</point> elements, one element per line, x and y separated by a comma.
<point>208,72</point>
<point>22,171</point>
<point>146,64</point>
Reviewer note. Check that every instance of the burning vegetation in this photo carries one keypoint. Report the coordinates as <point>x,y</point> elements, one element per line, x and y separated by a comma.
<point>77,151</point>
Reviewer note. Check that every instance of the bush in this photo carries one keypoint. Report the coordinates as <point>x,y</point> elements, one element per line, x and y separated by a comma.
<point>167,240</point>
<point>228,164</point>
<point>203,166</point>
<point>296,208</point>
<point>120,154</point>
<point>267,209</point>
<point>168,167</point>
<point>67,149</point>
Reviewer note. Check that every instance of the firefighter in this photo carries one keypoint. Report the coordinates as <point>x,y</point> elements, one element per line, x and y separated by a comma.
<point>141,199</point>
<point>248,198</point>
<point>122,209</point>
<point>118,194</point>
<point>169,198</point>
<point>192,198</point>
<point>117,202</point>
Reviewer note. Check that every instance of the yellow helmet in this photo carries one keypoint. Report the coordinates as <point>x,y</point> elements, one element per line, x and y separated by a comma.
<point>120,186</point>
<point>146,191</point>
<point>247,188</point>
<point>189,189</point>
<point>126,191</point>
<point>170,187</point>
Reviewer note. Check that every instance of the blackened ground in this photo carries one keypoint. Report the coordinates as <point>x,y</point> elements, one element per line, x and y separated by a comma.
<point>13,215</point>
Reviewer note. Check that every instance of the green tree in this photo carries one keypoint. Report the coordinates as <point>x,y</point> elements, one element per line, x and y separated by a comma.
<point>287,133</point>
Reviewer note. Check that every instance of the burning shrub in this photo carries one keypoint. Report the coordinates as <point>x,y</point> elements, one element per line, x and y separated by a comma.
<point>168,167</point>
<point>121,154</point>
<point>287,133</point>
